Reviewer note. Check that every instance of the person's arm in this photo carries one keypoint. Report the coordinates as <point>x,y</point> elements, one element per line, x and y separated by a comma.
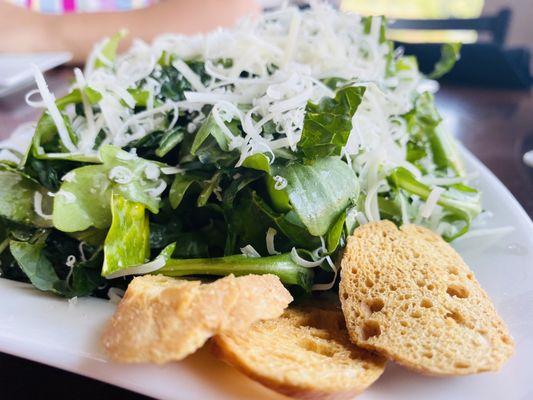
<point>22,30</point>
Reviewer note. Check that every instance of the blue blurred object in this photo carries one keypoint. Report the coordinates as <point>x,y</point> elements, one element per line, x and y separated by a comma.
<point>486,64</point>
<point>481,64</point>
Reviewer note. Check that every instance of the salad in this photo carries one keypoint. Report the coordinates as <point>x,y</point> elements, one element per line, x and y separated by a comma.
<point>256,149</point>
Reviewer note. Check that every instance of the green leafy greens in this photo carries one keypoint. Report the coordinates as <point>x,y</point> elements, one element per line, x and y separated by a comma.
<point>253,150</point>
<point>327,124</point>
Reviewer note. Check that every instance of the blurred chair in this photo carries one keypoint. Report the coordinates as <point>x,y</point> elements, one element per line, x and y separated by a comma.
<point>487,62</point>
<point>495,25</point>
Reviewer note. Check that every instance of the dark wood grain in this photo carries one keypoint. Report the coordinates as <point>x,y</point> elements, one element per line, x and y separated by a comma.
<point>27,380</point>
<point>496,125</point>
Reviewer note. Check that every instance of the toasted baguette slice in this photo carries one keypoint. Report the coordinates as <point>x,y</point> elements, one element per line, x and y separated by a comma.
<point>305,353</point>
<point>408,295</point>
<point>162,319</point>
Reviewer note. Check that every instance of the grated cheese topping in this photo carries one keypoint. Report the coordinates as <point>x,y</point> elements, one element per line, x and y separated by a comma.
<point>249,251</point>
<point>270,235</point>
<point>249,89</point>
<point>50,101</point>
<point>261,73</point>
<point>38,206</point>
<point>429,206</point>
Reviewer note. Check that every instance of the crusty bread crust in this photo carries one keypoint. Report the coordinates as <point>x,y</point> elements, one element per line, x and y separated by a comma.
<point>408,295</point>
<point>306,353</point>
<point>163,319</point>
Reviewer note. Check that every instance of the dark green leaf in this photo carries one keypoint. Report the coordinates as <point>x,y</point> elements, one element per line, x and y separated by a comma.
<point>335,233</point>
<point>210,128</point>
<point>191,245</point>
<point>35,265</point>
<point>320,192</point>
<point>48,172</point>
<point>146,146</point>
<point>179,187</point>
<point>279,198</point>
<point>208,188</point>
<point>17,199</point>
<point>288,224</point>
<point>162,234</point>
<point>173,84</point>
<point>92,236</point>
<point>170,140</point>
<point>327,124</point>
<point>85,278</point>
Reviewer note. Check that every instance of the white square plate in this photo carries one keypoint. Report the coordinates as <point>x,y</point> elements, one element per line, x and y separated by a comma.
<point>46,329</point>
<point>16,71</point>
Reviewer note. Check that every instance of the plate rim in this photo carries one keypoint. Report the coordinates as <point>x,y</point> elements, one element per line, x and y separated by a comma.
<point>90,366</point>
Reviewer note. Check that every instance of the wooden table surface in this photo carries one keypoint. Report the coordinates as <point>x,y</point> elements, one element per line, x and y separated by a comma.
<point>495,125</point>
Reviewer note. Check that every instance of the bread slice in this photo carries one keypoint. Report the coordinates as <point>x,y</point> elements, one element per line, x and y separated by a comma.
<point>305,353</point>
<point>163,319</point>
<point>408,295</point>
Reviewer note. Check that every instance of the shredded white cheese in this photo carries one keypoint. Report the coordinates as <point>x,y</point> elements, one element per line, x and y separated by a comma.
<point>303,262</point>
<point>171,170</point>
<point>484,232</point>
<point>280,182</point>
<point>81,251</point>
<point>38,206</point>
<point>115,295</point>
<point>270,235</point>
<point>160,188</point>
<point>50,102</point>
<point>120,175</point>
<point>190,75</point>
<point>146,268</point>
<point>329,285</point>
<point>249,251</point>
<point>152,172</point>
<point>88,139</point>
<point>250,90</point>
<point>72,302</point>
<point>69,177</point>
<point>427,209</point>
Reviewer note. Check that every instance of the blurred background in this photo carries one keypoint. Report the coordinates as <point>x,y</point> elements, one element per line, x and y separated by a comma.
<point>497,35</point>
<point>486,99</point>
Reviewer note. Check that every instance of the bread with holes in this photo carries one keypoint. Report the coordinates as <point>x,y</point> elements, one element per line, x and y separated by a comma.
<point>408,295</point>
<point>163,319</point>
<point>305,353</point>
